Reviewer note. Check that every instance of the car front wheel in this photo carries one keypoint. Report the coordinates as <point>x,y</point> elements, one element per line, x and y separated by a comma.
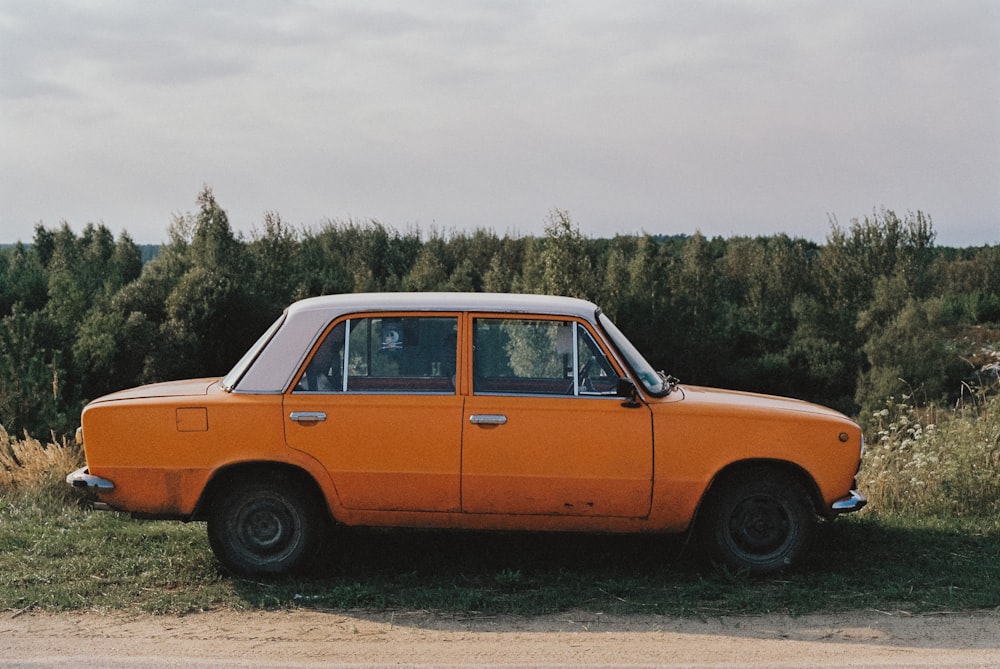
<point>759,522</point>
<point>260,525</point>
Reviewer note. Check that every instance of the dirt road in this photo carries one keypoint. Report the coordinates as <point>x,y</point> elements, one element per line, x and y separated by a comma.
<point>418,639</point>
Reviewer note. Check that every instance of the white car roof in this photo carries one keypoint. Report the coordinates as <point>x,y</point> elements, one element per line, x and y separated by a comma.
<point>304,321</point>
<point>492,302</point>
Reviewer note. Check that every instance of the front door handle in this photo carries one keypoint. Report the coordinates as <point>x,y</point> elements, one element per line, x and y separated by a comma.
<point>308,416</point>
<point>488,419</point>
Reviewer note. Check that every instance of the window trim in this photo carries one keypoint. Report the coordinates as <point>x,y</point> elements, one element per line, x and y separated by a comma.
<point>578,326</point>
<point>348,321</point>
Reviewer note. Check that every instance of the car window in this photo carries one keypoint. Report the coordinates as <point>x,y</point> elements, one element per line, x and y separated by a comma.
<point>595,374</point>
<point>538,357</point>
<point>325,371</point>
<point>385,354</point>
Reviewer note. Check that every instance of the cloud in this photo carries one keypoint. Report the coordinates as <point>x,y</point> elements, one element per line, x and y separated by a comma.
<point>665,116</point>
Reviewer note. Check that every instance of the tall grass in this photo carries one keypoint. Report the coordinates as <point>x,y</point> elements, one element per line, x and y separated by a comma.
<point>932,490</point>
<point>32,469</point>
<point>919,460</point>
<point>933,461</point>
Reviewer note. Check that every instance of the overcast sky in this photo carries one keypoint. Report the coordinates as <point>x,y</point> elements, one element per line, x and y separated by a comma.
<point>732,118</point>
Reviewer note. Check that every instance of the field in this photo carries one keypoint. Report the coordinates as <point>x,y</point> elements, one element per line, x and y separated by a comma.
<point>929,543</point>
<point>72,559</point>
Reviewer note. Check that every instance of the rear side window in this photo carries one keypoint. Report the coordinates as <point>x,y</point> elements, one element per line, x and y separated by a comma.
<point>385,354</point>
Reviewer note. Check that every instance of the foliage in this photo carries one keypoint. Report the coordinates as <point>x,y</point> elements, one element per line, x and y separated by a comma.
<point>877,311</point>
<point>935,462</point>
<point>845,323</point>
<point>30,374</point>
<point>56,553</point>
<point>566,265</point>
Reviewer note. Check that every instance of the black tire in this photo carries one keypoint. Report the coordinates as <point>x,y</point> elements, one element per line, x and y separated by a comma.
<point>760,521</point>
<point>264,525</point>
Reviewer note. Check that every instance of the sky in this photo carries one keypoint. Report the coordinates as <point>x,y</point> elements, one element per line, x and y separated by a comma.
<point>657,116</point>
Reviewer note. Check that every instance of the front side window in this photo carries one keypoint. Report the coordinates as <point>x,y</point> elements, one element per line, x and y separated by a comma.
<point>538,357</point>
<point>385,354</point>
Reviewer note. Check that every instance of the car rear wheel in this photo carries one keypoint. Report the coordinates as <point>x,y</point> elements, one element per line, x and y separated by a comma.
<point>260,525</point>
<point>759,521</point>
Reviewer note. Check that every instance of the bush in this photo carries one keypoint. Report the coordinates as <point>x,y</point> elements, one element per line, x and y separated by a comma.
<point>935,462</point>
<point>29,468</point>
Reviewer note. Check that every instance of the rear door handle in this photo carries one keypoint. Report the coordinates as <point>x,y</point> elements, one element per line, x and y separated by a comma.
<point>488,419</point>
<point>308,416</point>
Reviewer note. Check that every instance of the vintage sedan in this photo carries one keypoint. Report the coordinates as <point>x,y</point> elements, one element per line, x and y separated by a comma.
<point>474,411</point>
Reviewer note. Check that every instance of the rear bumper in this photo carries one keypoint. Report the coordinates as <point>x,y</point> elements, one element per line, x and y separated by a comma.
<point>82,478</point>
<point>854,501</point>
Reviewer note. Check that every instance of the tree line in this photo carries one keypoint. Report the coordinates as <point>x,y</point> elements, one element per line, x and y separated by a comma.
<point>875,311</point>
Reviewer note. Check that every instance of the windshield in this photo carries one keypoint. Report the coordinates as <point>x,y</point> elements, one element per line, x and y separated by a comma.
<point>234,375</point>
<point>653,382</point>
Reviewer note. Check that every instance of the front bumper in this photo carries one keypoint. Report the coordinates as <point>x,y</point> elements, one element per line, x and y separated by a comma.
<point>82,478</point>
<point>854,501</point>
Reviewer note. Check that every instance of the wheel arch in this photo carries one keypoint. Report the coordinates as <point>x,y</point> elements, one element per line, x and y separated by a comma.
<point>230,474</point>
<point>745,468</point>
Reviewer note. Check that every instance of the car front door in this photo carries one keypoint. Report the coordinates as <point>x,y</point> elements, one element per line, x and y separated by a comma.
<point>376,405</point>
<point>544,431</point>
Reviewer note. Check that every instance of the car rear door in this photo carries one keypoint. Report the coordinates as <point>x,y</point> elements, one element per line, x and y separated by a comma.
<point>376,405</point>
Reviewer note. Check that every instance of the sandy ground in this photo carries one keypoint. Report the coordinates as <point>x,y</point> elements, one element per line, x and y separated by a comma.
<point>309,638</point>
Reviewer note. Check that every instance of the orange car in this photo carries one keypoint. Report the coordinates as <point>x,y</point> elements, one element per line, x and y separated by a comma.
<point>478,411</point>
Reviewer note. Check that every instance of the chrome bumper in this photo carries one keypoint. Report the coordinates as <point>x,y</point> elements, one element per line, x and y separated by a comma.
<point>855,501</point>
<point>82,478</point>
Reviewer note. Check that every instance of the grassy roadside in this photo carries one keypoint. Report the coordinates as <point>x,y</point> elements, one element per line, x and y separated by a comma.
<point>930,542</point>
<point>57,558</point>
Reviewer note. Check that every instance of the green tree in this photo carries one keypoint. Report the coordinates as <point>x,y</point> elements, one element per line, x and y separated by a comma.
<point>567,268</point>
<point>503,270</point>
<point>968,280</point>
<point>701,314</point>
<point>113,348</point>
<point>465,277</point>
<point>32,389</point>
<point>124,266</point>
<point>344,257</point>
<point>637,295</point>
<point>432,267</point>
<point>70,283</point>
<point>322,269</point>
<point>831,337</point>
<point>766,276</point>
<point>275,273</point>
<point>906,354</point>
<point>474,255</point>
<point>211,318</point>
<point>22,280</point>
<point>531,275</point>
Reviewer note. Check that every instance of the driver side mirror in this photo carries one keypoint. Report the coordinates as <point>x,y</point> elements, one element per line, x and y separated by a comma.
<point>626,390</point>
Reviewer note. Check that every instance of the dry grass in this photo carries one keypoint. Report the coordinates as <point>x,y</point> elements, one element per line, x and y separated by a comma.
<point>928,461</point>
<point>30,467</point>
<point>56,556</point>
